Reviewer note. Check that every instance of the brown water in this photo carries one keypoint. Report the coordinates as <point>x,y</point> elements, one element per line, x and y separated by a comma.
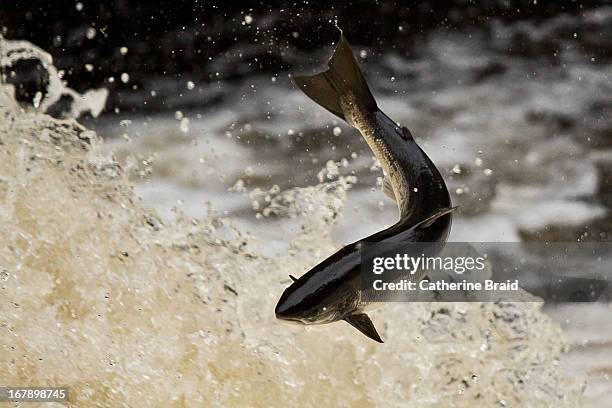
<point>102,296</point>
<point>128,307</point>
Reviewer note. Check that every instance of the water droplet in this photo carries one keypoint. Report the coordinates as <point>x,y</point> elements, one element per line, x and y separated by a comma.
<point>90,33</point>
<point>37,99</point>
<point>184,126</point>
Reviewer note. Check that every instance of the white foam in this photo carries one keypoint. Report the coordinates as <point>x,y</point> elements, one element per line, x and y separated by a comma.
<point>93,101</point>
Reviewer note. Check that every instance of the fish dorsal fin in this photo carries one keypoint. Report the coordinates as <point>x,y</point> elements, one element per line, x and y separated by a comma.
<point>427,222</point>
<point>362,322</point>
<point>387,188</point>
<point>293,278</point>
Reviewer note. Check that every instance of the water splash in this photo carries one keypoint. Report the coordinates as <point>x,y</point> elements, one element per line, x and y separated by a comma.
<point>12,52</point>
<point>102,296</point>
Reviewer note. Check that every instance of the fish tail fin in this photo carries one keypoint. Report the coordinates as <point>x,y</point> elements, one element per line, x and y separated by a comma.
<point>341,79</point>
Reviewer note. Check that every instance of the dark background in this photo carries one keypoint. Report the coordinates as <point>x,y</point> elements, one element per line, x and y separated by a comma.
<point>210,41</point>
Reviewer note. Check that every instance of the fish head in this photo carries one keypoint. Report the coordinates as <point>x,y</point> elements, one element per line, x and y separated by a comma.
<point>301,303</point>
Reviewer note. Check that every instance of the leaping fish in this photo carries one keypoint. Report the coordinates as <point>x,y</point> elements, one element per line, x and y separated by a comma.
<point>332,290</point>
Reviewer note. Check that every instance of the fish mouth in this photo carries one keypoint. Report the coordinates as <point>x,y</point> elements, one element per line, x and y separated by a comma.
<point>291,321</point>
<point>286,313</point>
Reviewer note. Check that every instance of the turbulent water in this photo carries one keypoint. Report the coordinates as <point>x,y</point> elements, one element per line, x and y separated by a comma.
<point>517,117</point>
<point>101,295</point>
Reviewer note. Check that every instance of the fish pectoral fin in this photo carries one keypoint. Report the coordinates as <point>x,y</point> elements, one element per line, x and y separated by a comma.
<point>362,322</point>
<point>387,188</point>
<point>293,278</point>
<point>427,222</point>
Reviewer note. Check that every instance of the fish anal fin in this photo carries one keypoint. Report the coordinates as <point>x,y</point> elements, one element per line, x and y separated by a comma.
<point>427,222</point>
<point>293,278</point>
<point>387,188</point>
<point>362,322</point>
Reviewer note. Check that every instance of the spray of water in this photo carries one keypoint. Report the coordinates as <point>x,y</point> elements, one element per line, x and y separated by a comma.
<point>101,296</point>
<point>12,52</point>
